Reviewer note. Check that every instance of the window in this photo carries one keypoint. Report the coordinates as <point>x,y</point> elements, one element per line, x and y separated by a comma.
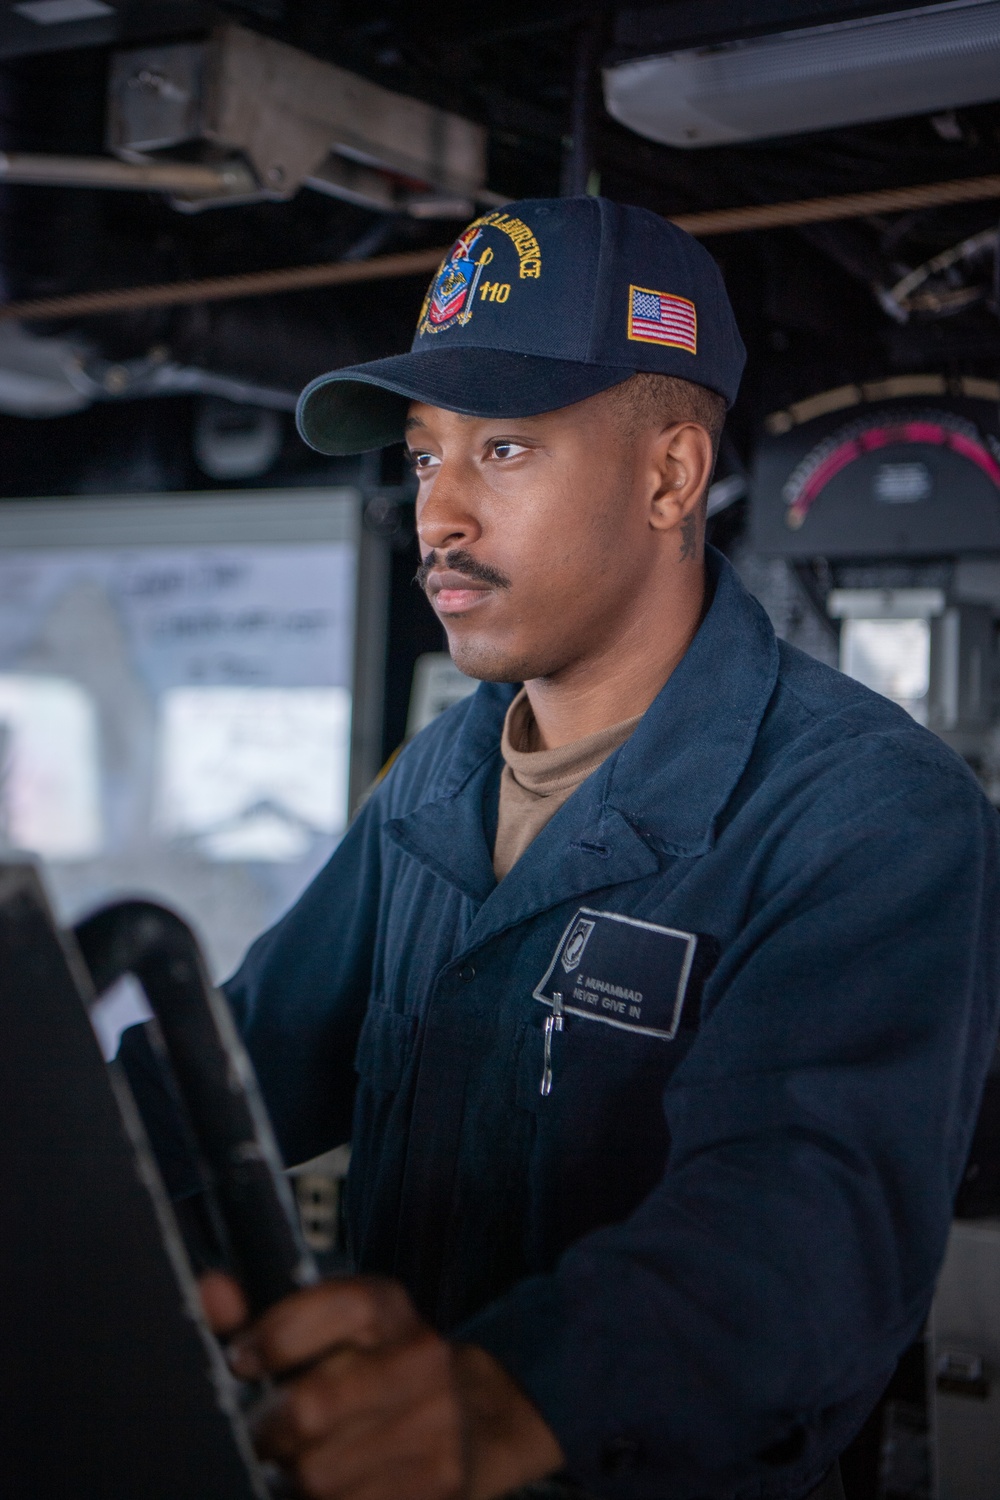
<point>49,775</point>
<point>177,696</point>
<point>253,773</point>
<point>892,657</point>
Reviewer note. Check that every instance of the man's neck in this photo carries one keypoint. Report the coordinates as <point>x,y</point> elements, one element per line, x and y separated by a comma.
<point>624,676</point>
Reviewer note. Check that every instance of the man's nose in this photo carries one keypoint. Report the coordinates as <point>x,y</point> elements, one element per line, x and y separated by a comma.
<point>445,517</point>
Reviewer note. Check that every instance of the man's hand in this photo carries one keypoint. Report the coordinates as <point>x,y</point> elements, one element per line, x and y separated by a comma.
<point>373,1405</point>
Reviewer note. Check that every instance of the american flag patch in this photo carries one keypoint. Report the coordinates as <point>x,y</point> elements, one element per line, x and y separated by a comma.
<point>661,318</point>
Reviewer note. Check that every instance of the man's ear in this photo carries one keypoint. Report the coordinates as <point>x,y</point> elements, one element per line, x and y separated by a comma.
<point>682,461</point>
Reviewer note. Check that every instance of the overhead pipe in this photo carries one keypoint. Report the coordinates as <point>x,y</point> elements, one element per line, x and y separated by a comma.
<point>35,169</point>
<point>421,262</point>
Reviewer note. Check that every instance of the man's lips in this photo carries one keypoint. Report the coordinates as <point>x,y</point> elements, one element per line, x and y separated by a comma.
<point>453,594</point>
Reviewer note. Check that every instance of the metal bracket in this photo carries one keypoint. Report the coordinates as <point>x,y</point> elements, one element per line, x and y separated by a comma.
<point>295,122</point>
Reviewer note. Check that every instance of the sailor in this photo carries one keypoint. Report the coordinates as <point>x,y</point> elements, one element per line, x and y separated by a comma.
<point>654,986</point>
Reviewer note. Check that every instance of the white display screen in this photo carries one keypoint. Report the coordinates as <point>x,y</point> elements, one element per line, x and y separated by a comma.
<point>890,656</point>
<point>176,701</point>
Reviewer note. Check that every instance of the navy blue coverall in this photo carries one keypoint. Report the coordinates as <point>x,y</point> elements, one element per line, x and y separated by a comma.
<point>768,928</point>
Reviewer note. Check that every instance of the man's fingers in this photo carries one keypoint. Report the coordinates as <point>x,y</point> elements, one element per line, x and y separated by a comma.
<point>305,1410</point>
<point>350,1390</point>
<point>321,1475</point>
<point>417,1454</point>
<point>361,1311</point>
<point>223,1302</point>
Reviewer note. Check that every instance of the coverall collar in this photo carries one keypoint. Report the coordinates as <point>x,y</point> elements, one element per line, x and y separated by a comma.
<point>654,799</point>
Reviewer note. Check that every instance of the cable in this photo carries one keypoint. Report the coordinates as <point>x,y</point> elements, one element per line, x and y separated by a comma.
<point>420,262</point>
<point>220,288</point>
<point>843,206</point>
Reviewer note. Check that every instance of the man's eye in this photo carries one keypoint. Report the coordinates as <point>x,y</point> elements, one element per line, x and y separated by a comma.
<point>508,449</point>
<point>423,461</point>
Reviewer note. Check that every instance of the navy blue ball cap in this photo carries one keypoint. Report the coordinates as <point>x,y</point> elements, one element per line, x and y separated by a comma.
<point>536,306</point>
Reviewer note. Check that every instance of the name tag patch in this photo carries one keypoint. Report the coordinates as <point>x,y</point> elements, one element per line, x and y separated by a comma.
<point>630,974</point>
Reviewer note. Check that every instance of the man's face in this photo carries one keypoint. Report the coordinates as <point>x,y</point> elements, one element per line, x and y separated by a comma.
<point>534,534</point>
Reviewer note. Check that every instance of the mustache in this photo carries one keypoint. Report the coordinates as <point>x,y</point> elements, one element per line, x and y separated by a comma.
<point>460,561</point>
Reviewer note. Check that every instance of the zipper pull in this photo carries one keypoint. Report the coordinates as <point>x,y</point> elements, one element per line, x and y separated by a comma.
<point>554,1022</point>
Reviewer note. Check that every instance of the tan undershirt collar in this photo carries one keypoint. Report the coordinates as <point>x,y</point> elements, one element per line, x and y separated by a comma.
<point>534,784</point>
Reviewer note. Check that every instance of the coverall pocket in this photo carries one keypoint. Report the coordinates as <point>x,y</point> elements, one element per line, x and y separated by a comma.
<point>600,1141</point>
<point>384,1046</point>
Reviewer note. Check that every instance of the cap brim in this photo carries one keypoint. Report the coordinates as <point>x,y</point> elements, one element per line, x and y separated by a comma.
<point>364,406</point>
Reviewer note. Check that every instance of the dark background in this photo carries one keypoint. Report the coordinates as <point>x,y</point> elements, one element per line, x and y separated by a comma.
<point>806,298</point>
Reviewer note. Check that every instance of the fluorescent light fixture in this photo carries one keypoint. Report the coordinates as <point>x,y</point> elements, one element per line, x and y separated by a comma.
<point>57,12</point>
<point>909,62</point>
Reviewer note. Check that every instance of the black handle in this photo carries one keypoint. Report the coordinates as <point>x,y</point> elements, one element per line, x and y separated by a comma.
<point>218,1085</point>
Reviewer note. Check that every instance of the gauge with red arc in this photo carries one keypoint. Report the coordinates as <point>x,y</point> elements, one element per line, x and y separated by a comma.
<point>845,446</point>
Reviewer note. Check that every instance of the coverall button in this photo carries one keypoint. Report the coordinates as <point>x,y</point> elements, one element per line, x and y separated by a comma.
<point>466,972</point>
